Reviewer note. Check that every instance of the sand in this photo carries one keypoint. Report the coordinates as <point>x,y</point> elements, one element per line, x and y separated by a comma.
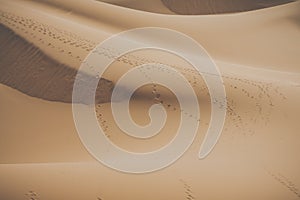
<point>192,7</point>
<point>257,52</point>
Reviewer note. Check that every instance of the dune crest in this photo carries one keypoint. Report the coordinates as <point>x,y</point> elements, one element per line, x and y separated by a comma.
<point>207,7</point>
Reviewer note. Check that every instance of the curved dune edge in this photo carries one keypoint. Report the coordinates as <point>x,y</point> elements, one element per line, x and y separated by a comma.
<point>154,6</point>
<point>26,68</point>
<point>205,7</point>
<point>265,38</point>
<point>196,7</point>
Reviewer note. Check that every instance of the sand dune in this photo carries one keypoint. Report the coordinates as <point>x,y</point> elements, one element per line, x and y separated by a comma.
<point>154,6</point>
<point>192,7</point>
<point>24,65</point>
<point>196,7</point>
<point>42,46</point>
<point>266,47</point>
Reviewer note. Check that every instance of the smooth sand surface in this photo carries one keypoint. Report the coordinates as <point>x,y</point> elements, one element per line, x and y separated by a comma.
<point>42,157</point>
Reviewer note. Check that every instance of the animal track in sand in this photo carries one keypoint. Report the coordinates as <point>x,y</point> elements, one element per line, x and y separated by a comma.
<point>32,195</point>
<point>60,39</point>
<point>285,182</point>
<point>23,65</point>
<point>188,190</point>
<point>258,95</point>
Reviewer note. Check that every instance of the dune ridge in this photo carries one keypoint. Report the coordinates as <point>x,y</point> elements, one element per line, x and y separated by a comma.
<point>265,48</point>
<point>26,68</point>
<point>196,7</point>
<point>206,7</point>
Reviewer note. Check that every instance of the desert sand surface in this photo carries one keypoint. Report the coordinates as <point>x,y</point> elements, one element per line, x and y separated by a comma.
<point>154,6</point>
<point>43,44</point>
<point>196,7</point>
